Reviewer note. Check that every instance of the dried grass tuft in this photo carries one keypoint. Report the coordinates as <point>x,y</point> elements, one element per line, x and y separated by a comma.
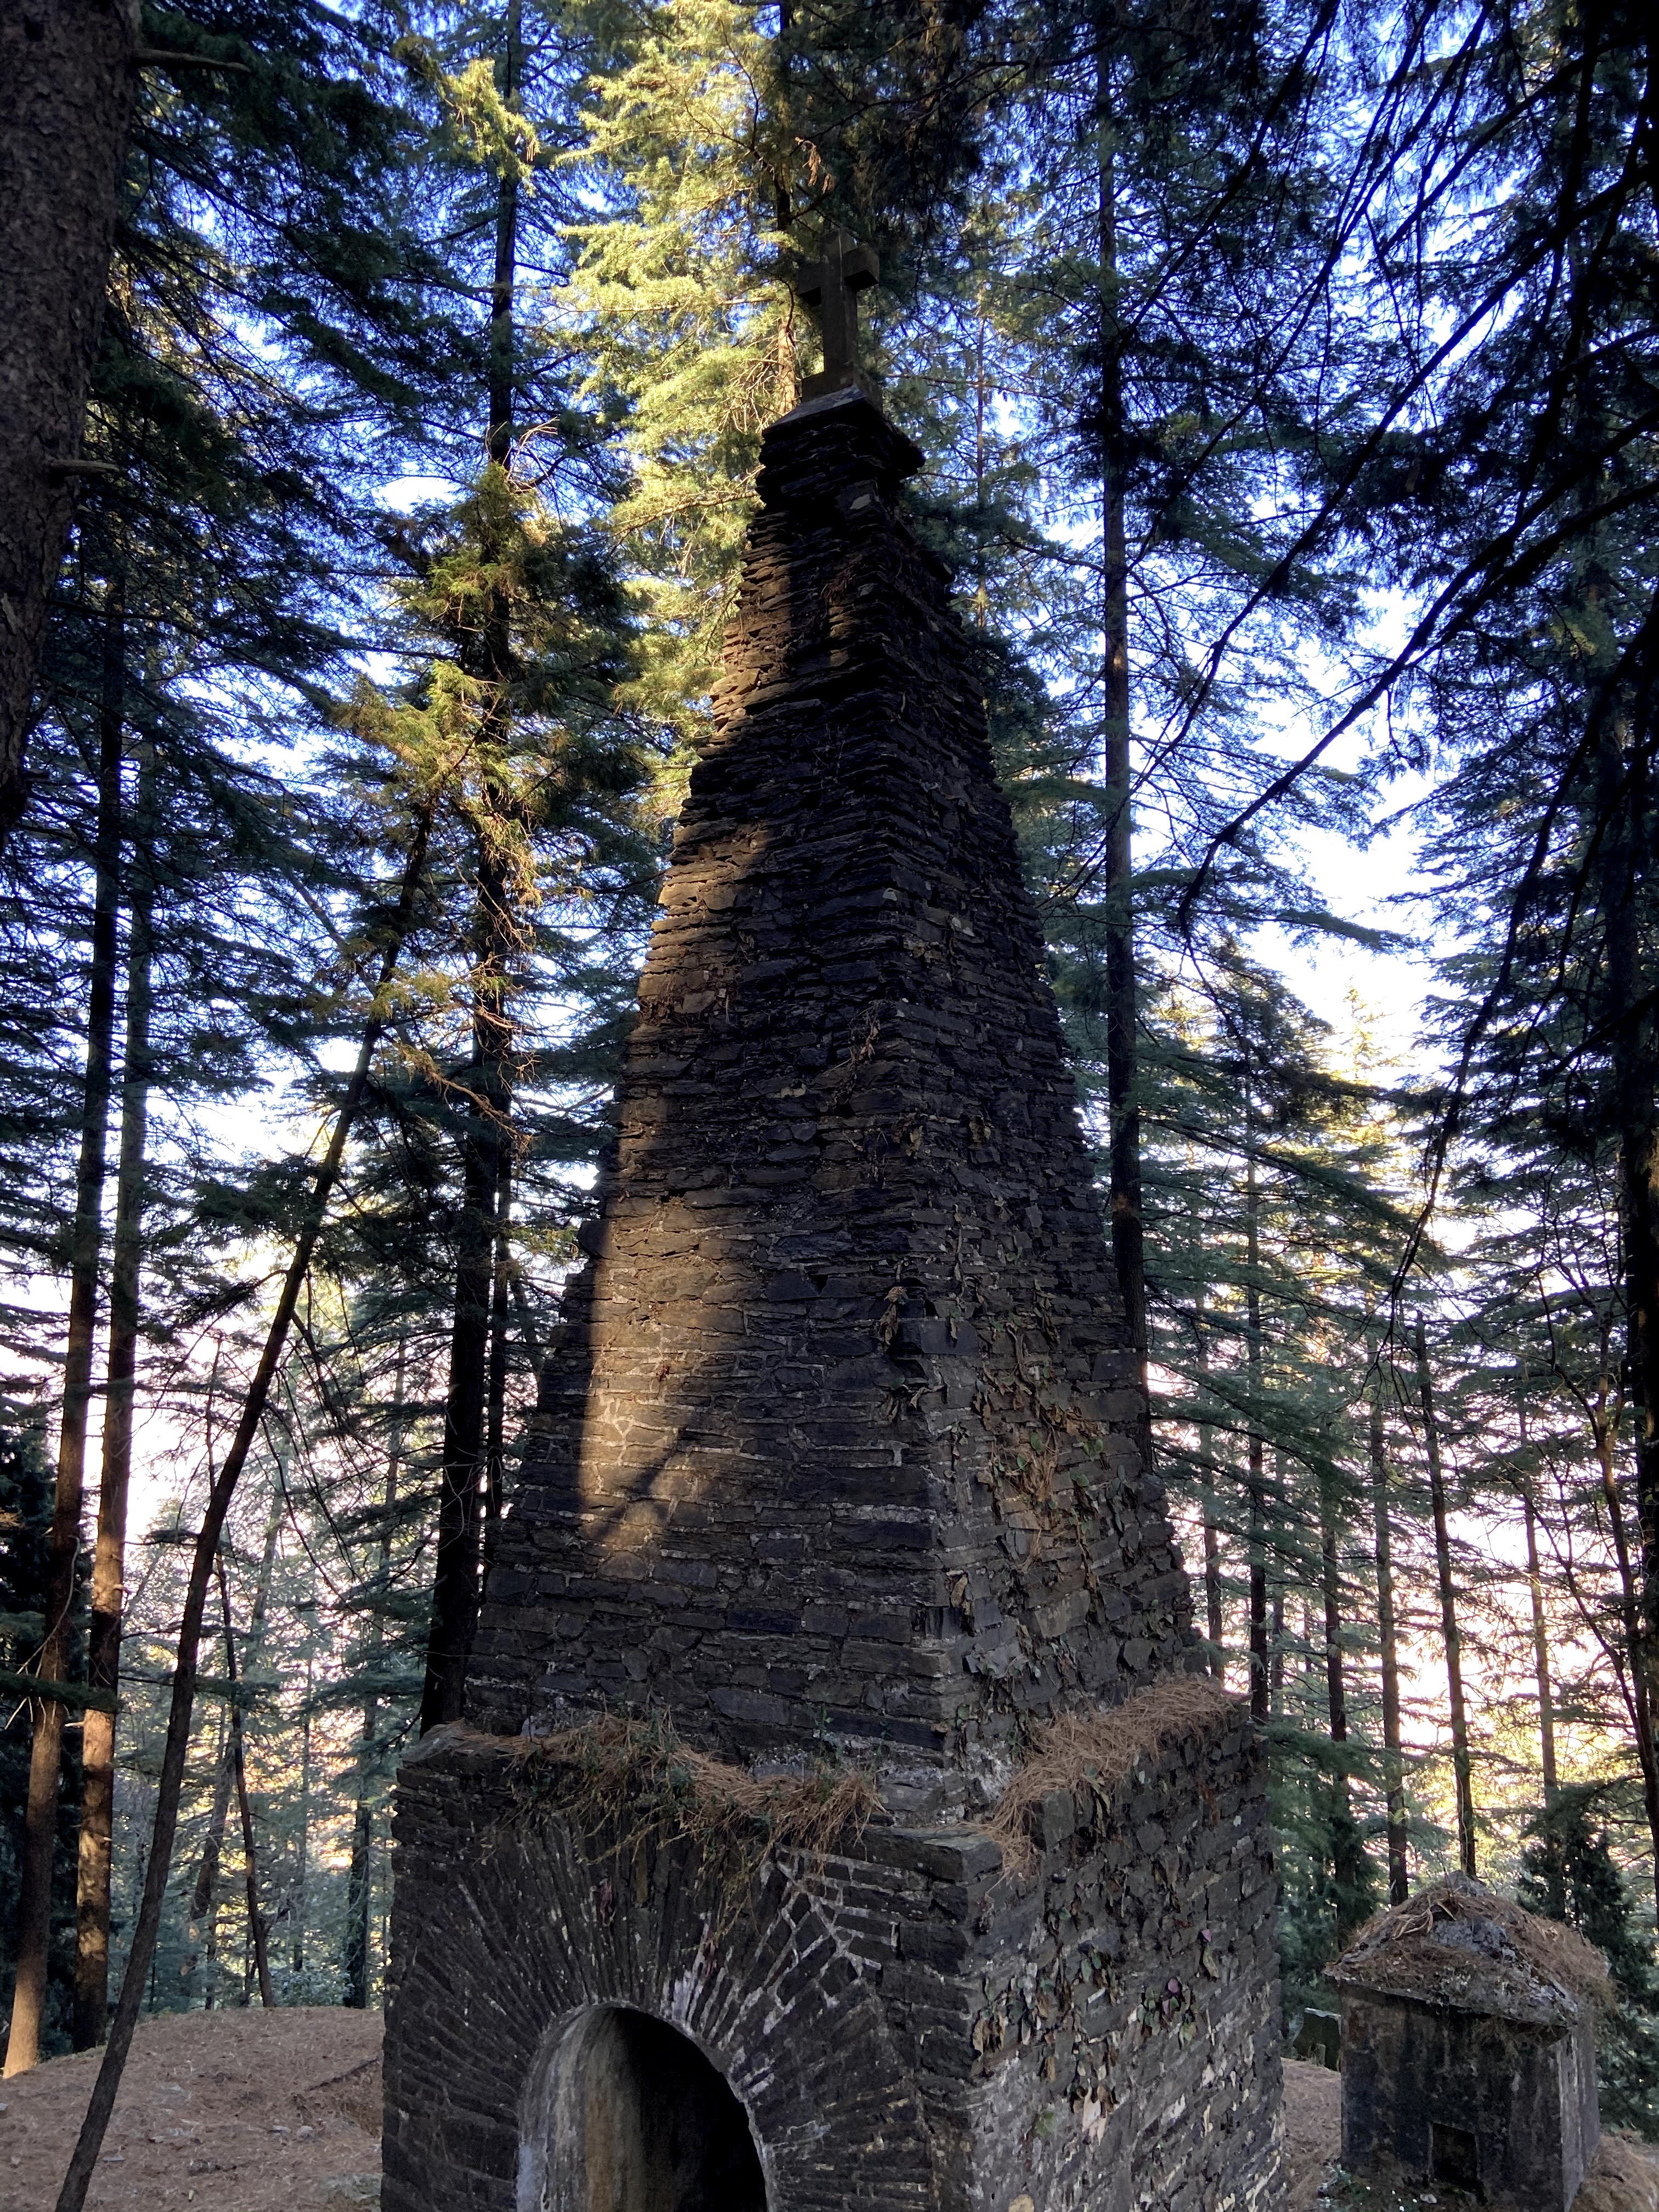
<point>1622,2177</point>
<point>1099,1749</point>
<point>636,1775</point>
<point>1403,1952</point>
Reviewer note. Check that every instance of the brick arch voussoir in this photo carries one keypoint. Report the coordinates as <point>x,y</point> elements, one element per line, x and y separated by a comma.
<point>543,1926</point>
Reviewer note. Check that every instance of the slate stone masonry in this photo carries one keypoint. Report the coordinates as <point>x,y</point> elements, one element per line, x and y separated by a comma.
<point>837,1457</point>
<point>839,1440</point>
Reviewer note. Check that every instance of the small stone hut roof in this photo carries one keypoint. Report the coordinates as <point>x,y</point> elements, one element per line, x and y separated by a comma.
<point>1456,1946</point>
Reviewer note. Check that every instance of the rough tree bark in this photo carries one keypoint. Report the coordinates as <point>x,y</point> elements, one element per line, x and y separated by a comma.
<point>87,1235</point>
<point>91,1903</point>
<point>1462,1772</point>
<point>67,70</point>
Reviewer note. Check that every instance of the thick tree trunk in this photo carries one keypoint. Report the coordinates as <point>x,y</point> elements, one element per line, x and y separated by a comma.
<point>1462,1770</point>
<point>1123,1048</point>
<point>360,1885</point>
<point>72,2197</point>
<point>1394,1775</point>
<point>87,1236</point>
<point>109,1556</point>
<point>67,67</point>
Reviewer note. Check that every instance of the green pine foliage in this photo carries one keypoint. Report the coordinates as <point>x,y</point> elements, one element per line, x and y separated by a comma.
<point>1569,1873</point>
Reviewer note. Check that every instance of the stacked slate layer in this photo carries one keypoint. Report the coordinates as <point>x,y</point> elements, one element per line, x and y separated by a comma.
<point>840,1439</point>
<point>909,2025</point>
<point>837,1456</point>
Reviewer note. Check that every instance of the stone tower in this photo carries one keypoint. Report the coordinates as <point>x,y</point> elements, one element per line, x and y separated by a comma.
<point>836,1468</point>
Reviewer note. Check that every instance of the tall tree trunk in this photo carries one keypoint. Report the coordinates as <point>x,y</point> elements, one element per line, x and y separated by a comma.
<point>203,1904</point>
<point>458,1577</point>
<point>67,66</point>
<point>1540,1640</point>
<point>1394,1775</point>
<point>87,1237</point>
<point>1122,1046</point>
<point>1623,801</point>
<point>360,1885</point>
<point>1213,1618</point>
<point>302,1882</point>
<point>256,1919</point>
<point>109,1556</point>
<point>495,1456</point>
<point>1348,1849</point>
<point>72,2197</point>
<point>1462,1772</point>
<point>1608,1411</point>
<point>1261,1688</point>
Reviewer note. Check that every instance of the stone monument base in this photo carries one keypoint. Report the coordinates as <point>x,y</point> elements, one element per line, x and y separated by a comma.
<point>607,1995</point>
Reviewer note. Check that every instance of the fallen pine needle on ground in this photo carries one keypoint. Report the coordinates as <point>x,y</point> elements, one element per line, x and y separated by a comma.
<point>275,2111</point>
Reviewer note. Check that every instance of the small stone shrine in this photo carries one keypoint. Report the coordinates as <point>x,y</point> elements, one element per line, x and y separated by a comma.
<point>1468,2049</point>
<point>837,1821</point>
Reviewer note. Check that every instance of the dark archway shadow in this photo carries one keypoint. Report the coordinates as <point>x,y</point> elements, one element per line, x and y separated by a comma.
<point>629,2116</point>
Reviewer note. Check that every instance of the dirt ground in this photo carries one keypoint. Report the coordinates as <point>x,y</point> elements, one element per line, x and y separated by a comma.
<point>275,2111</point>
<point>280,2112</point>
<point>1313,2128</point>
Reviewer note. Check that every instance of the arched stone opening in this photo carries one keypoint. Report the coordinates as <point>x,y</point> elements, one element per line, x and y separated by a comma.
<point>629,2116</point>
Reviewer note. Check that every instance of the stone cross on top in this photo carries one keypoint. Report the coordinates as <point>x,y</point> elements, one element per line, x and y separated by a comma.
<point>832,284</point>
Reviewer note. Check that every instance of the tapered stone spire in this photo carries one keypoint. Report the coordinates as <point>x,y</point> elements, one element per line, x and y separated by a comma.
<point>838,1439</point>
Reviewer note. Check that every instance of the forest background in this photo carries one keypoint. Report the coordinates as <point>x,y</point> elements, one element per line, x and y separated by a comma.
<point>1286,373</point>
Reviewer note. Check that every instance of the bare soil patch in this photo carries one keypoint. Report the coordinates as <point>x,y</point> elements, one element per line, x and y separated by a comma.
<point>269,2112</point>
